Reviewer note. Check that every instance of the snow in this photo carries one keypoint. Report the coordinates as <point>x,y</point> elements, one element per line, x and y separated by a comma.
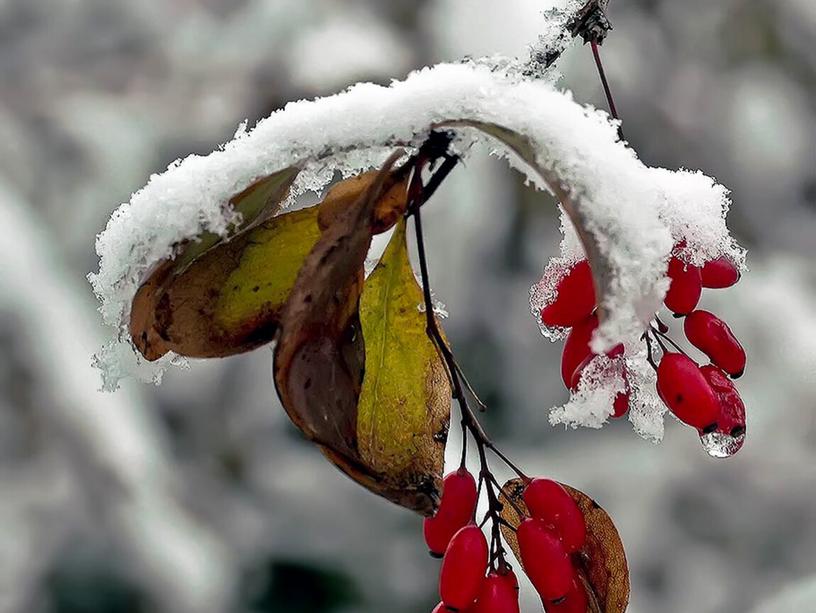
<point>630,210</point>
<point>591,404</point>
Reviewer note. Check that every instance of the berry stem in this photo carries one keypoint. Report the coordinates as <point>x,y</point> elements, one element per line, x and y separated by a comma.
<point>417,196</point>
<point>660,334</point>
<point>613,110</point>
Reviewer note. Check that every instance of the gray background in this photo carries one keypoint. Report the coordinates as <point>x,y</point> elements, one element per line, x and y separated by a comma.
<point>198,495</point>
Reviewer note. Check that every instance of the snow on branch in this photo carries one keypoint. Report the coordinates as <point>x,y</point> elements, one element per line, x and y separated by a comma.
<point>627,213</point>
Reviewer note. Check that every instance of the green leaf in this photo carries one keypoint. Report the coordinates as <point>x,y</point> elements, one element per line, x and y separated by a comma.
<point>256,203</point>
<point>404,406</point>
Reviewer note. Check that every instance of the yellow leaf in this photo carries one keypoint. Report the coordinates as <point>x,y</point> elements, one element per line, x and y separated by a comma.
<point>404,405</point>
<point>256,203</point>
<point>267,268</point>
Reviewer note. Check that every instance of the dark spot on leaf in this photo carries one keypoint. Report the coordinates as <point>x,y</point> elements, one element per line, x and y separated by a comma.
<point>256,288</point>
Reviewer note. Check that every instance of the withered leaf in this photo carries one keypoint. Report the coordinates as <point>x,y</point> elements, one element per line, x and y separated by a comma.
<point>390,206</point>
<point>404,406</point>
<point>602,562</point>
<point>229,299</point>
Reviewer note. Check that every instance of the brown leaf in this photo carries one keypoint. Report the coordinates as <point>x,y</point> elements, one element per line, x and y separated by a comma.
<point>390,205</point>
<point>602,562</point>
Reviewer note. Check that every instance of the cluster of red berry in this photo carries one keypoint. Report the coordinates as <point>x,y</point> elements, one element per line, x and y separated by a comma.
<point>469,582</point>
<point>702,397</point>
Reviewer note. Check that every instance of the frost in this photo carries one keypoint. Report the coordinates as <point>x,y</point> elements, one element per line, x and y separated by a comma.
<point>623,204</point>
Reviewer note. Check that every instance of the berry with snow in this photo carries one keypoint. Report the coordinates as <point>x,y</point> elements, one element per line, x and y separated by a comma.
<point>719,273</point>
<point>574,300</point>
<point>576,347</point>
<point>685,288</point>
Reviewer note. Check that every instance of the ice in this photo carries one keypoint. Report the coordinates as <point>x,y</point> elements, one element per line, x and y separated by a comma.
<point>630,210</point>
<point>721,444</point>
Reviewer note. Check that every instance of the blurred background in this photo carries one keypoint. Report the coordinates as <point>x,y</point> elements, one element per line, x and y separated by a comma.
<point>198,495</point>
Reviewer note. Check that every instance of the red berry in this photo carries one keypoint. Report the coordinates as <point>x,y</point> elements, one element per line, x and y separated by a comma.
<point>455,511</point>
<point>686,392</point>
<point>576,347</point>
<point>497,595</point>
<point>713,337</point>
<point>732,409</point>
<point>576,600</point>
<point>720,273</point>
<point>548,501</point>
<point>509,576</point>
<point>621,404</point>
<point>463,568</point>
<point>574,300</point>
<point>685,289</point>
<point>545,559</point>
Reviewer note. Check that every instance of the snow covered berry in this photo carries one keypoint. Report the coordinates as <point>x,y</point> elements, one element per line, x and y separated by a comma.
<point>548,501</point>
<point>574,300</point>
<point>719,273</point>
<point>732,410</point>
<point>497,595</point>
<point>686,392</point>
<point>576,347</point>
<point>455,511</point>
<point>620,406</point>
<point>712,336</point>
<point>545,559</point>
<point>685,289</point>
<point>463,568</point>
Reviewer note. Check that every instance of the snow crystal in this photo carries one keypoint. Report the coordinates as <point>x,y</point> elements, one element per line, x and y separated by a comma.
<point>624,204</point>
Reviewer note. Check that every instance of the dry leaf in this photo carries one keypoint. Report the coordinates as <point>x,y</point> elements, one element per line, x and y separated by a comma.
<point>390,205</point>
<point>602,561</point>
